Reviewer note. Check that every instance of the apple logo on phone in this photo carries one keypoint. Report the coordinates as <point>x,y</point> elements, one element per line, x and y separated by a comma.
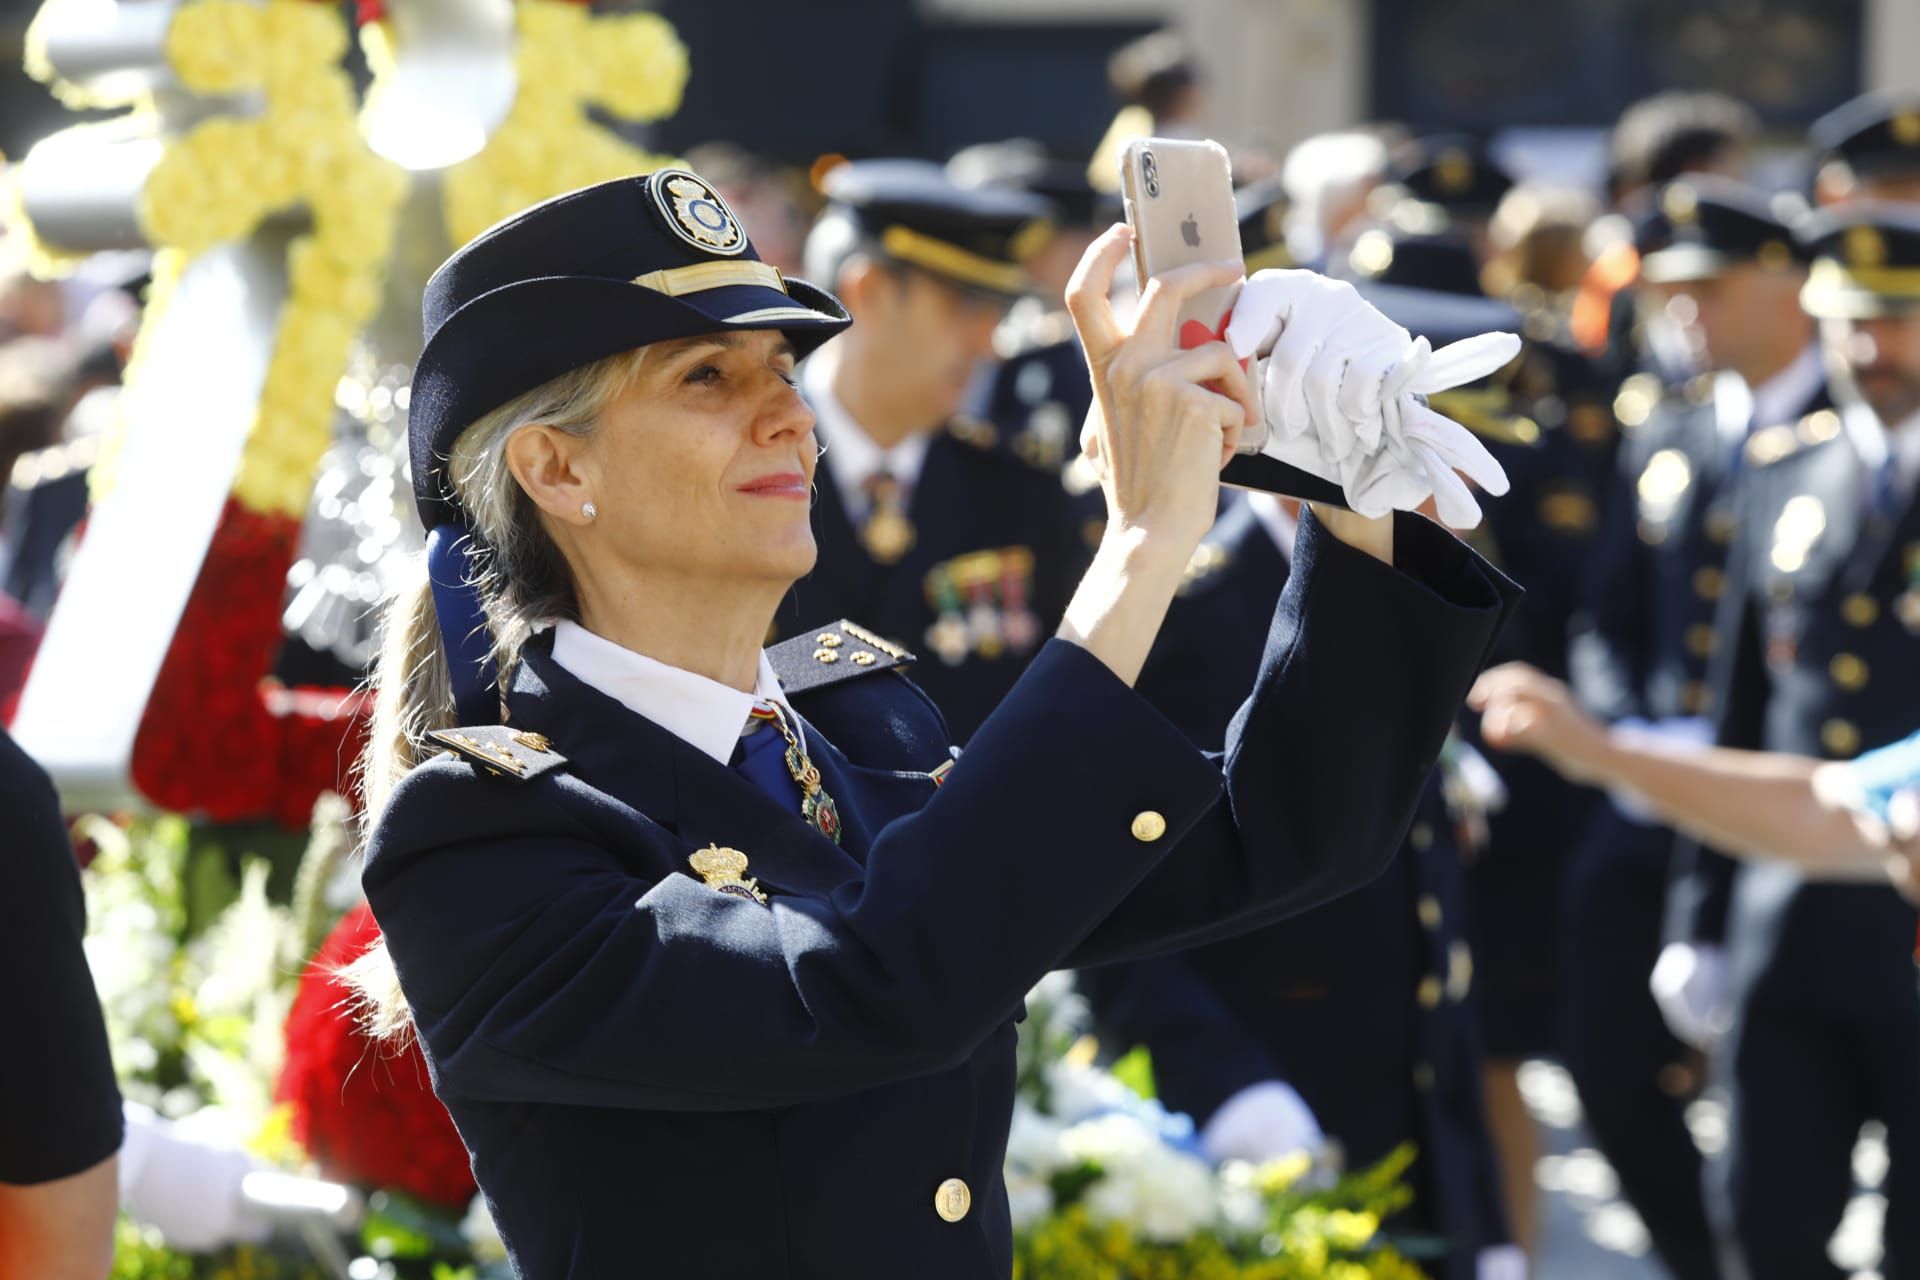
<point>1190,232</point>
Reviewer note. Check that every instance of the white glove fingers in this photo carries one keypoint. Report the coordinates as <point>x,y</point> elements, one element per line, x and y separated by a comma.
<point>1413,367</point>
<point>1459,446</point>
<point>1265,303</point>
<point>1363,389</point>
<point>1468,360</point>
<point>1453,501</point>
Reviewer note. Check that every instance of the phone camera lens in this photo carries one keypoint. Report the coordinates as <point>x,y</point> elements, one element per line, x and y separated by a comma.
<point>1150,172</point>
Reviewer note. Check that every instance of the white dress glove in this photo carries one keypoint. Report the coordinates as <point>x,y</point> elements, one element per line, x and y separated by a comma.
<point>1342,391</point>
<point>187,1189</point>
<point>1501,1262</point>
<point>1689,983</point>
<point>1261,1122</point>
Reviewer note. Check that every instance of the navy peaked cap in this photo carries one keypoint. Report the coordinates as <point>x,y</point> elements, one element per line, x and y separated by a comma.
<point>576,279</point>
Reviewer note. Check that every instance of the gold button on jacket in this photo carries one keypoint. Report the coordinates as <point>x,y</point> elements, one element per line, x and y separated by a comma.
<point>1148,825</point>
<point>952,1200</point>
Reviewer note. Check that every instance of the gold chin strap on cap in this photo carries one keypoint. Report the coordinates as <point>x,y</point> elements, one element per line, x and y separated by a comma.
<point>952,261</point>
<point>701,276</point>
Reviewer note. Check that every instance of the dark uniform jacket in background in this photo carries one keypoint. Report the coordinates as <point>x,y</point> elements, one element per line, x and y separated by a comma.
<point>654,1073</point>
<point>1821,657</point>
<point>1362,1004</point>
<point>972,497</point>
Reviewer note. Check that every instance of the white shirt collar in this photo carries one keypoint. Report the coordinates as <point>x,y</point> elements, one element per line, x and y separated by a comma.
<point>701,712</point>
<point>1282,525</point>
<point>1782,396</point>
<point>851,454</point>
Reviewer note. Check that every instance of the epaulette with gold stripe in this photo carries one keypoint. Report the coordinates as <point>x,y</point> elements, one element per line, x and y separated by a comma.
<point>827,655</point>
<point>1770,445</point>
<point>501,750</point>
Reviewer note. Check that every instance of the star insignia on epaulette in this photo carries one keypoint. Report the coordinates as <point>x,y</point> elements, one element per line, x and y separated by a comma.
<point>830,654</point>
<point>501,750</point>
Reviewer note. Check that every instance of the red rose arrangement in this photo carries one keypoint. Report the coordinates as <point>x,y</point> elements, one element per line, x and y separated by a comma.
<point>218,739</point>
<point>365,1112</point>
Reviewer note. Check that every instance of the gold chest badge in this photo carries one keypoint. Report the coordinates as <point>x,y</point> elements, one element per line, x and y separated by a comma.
<point>725,871</point>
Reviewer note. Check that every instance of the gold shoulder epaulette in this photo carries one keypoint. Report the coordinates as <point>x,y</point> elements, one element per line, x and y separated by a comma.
<point>1770,444</point>
<point>1818,427</point>
<point>977,432</point>
<point>501,750</point>
<point>827,655</point>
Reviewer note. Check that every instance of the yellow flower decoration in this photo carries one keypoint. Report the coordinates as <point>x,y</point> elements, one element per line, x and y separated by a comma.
<point>225,176</point>
<point>631,65</point>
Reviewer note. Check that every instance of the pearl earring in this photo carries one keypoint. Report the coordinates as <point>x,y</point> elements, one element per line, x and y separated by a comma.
<point>588,510</point>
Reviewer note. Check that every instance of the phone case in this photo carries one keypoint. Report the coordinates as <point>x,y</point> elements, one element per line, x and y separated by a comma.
<point>1179,202</point>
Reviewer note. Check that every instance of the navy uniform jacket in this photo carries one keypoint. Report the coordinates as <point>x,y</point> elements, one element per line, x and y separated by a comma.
<point>1039,398</point>
<point>646,1067</point>
<point>1541,533</point>
<point>1361,1004</point>
<point>1645,639</point>
<point>1821,646</point>
<point>972,497</point>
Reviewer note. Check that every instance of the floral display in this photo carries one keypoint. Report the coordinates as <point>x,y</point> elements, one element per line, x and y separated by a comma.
<point>365,1112</point>
<point>569,59</point>
<point>218,739</point>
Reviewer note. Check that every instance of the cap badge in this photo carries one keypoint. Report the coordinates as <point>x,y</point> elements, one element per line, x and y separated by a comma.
<point>1866,247</point>
<point>696,213</point>
<point>1905,126</point>
<point>1453,170</point>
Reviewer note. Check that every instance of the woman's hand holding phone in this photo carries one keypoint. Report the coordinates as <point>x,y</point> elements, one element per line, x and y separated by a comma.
<point>1165,420</point>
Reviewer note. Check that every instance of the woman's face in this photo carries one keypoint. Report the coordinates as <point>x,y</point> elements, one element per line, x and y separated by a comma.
<point>703,465</point>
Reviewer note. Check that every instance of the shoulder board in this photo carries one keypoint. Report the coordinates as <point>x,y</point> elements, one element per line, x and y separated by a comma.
<point>827,655</point>
<point>1818,427</point>
<point>502,750</point>
<point>977,432</point>
<point>1206,562</point>
<point>1770,444</point>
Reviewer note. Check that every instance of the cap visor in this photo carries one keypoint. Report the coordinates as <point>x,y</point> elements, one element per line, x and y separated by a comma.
<point>1681,263</point>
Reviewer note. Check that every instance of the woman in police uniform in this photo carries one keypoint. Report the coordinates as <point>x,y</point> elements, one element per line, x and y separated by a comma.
<point>706,1003</point>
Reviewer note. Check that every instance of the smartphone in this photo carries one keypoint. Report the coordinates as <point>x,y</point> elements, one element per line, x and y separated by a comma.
<point>1178,196</point>
<point>1179,201</point>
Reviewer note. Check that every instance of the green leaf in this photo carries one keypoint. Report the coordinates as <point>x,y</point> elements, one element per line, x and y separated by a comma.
<point>1135,1071</point>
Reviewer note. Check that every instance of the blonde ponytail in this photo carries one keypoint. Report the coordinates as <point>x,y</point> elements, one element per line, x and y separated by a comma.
<point>522,580</point>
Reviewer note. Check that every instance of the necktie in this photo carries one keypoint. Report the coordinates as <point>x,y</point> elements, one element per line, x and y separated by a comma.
<point>887,534</point>
<point>1881,492</point>
<point>761,758</point>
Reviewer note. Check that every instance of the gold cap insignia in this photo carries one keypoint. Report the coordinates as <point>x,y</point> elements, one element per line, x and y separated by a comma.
<point>1030,239</point>
<point>1905,126</point>
<point>725,871</point>
<point>1774,256</point>
<point>1866,247</point>
<point>694,211</point>
<point>1453,171</point>
<point>1680,202</point>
